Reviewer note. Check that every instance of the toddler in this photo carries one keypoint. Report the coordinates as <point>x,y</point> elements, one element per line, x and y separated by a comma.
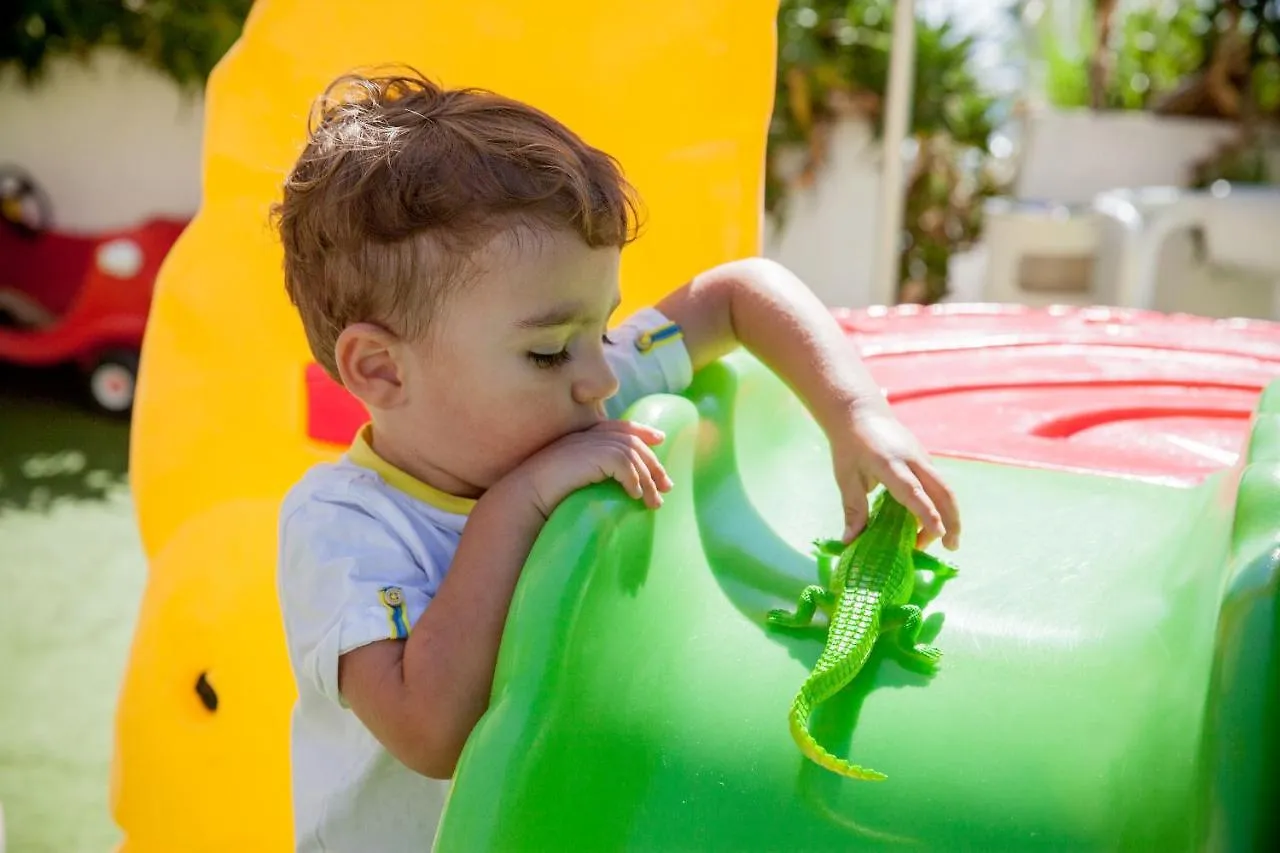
<point>453,256</point>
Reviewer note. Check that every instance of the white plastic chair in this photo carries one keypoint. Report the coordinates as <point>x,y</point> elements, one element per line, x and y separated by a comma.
<point>1239,226</point>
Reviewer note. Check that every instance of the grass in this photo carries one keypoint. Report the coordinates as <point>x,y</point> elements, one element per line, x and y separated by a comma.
<point>71,577</point>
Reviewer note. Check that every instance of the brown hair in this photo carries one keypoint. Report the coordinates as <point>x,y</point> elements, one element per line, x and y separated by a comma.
<point>401,180</point>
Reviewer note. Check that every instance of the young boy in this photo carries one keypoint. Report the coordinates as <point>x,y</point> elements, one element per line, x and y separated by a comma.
<point>454,257</point>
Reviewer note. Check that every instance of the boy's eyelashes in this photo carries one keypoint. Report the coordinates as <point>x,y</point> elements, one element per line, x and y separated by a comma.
<point>549,360</point>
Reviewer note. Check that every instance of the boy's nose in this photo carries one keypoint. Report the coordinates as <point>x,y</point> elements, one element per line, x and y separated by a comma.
<point>595,385</point>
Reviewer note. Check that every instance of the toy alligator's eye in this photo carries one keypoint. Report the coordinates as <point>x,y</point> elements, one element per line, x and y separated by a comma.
<point>208,696</point>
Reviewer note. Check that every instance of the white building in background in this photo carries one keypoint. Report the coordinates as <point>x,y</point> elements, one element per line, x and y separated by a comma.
<point>110,141</point>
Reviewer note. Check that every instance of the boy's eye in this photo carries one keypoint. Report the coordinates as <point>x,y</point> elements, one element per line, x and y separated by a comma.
<point>555,359</point>
<point>549,359</point>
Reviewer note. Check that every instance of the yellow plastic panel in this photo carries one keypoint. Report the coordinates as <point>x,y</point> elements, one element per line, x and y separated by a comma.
<point>679,92</point>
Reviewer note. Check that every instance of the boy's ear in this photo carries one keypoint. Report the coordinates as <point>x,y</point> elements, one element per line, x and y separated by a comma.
<point>369,365</point>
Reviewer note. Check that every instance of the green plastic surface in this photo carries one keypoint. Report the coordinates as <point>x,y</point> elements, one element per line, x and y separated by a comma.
<point>1109,678</point>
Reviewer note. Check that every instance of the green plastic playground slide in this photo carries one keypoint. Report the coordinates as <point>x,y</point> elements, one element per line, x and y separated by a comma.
<point>1109,679</point>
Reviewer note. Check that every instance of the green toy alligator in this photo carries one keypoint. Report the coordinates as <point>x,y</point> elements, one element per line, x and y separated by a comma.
<point>868,597</point>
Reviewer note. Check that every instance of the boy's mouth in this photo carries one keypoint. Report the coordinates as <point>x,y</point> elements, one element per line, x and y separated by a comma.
<point>596,417</point>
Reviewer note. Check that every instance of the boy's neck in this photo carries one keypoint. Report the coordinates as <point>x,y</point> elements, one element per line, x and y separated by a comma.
<point>395,449</point>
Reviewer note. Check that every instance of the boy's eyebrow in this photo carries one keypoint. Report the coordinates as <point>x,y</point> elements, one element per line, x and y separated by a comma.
<point>561,315</point>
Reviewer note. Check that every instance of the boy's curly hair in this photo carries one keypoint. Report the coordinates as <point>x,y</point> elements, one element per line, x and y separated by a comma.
<point>401,180</point>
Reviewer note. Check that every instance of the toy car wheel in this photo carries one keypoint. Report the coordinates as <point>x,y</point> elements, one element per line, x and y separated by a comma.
<point>112,381</point>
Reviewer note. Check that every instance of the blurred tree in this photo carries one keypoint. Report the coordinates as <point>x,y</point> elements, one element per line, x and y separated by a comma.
<point>1211,58</point>
<point>1216,59</point>
<point>182,38</point>
<point>833,63</point>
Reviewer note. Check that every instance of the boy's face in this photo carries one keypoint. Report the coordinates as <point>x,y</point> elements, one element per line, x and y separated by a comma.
<point>516,360</point>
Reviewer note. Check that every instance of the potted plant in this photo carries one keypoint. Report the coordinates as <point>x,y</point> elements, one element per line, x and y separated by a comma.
<point>833,65</point>
<point>1147,93</point>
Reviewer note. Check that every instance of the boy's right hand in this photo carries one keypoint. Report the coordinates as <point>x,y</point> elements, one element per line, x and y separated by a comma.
<point>617,450</point>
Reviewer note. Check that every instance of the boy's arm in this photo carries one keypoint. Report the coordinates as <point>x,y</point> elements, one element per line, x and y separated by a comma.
<point>422,696</point>
<point>763,306</point>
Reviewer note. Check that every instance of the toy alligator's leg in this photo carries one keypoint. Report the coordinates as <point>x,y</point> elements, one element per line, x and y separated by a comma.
<point>828,547</point>
<point>930,563</point>
<point>905,621</point>
<point>828,553</point>
<point>810,599</point>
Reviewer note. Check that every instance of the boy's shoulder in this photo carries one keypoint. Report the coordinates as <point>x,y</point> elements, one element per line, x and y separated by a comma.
<point>330,486</point>
<point>343,506</point>
<point>341,500</point>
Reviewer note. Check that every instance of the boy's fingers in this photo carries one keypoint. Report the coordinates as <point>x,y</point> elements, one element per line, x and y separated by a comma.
<point>616,463</point>
<point>904,486</point>
<point>646,457</point>
<point>620,461</point>
<point>945,500</point>
<point>636,444</point>
<point>651,495</point>
<point>650,435</point>
<point>660,475</point>
<point>855,516</point>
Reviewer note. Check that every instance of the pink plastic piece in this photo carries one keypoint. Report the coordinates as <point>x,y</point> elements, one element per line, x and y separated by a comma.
<point>1132,393</point>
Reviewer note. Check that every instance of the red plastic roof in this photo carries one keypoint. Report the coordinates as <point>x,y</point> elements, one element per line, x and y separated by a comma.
<point>1104,390</point>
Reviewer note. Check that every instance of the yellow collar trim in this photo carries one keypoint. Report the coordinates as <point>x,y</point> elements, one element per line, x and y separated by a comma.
<point>362,453</point>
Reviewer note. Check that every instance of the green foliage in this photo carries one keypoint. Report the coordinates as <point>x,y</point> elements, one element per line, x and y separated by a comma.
<point>1157,47</point>
<point>1162,57</point>
<point>182,38</point>
<point>833,62</point>
<point>1066,73</point>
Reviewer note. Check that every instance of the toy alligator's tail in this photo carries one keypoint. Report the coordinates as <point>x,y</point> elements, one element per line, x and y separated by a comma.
<point>801,709</point>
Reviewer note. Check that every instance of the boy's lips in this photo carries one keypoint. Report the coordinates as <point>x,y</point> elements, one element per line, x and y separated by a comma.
<point>588,422</point>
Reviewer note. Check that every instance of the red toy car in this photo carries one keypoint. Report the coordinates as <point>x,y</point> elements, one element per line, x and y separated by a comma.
<point>76,298</point>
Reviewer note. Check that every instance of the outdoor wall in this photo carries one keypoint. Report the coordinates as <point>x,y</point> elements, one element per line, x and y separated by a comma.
<point>829,232</point>
<point>112,141</point>
<point>109,140</point>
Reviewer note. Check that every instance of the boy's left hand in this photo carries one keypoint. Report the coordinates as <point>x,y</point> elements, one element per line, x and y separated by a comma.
<point>763,306</point>
<point>874,447</point>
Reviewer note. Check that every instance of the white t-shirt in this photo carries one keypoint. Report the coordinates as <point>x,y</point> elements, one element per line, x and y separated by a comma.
<point>363,549</point>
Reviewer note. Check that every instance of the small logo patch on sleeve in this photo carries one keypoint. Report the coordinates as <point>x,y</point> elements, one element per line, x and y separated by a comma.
<point>653,338</point>
<point>393,599</point>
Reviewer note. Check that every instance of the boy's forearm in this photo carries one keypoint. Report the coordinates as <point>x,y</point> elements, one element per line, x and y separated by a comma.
<point>780,321</point>
<point>761,305</point>
<point>451,652</point>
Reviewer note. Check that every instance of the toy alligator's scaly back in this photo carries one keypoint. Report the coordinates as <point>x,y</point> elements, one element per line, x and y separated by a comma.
<point>869,595</point>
